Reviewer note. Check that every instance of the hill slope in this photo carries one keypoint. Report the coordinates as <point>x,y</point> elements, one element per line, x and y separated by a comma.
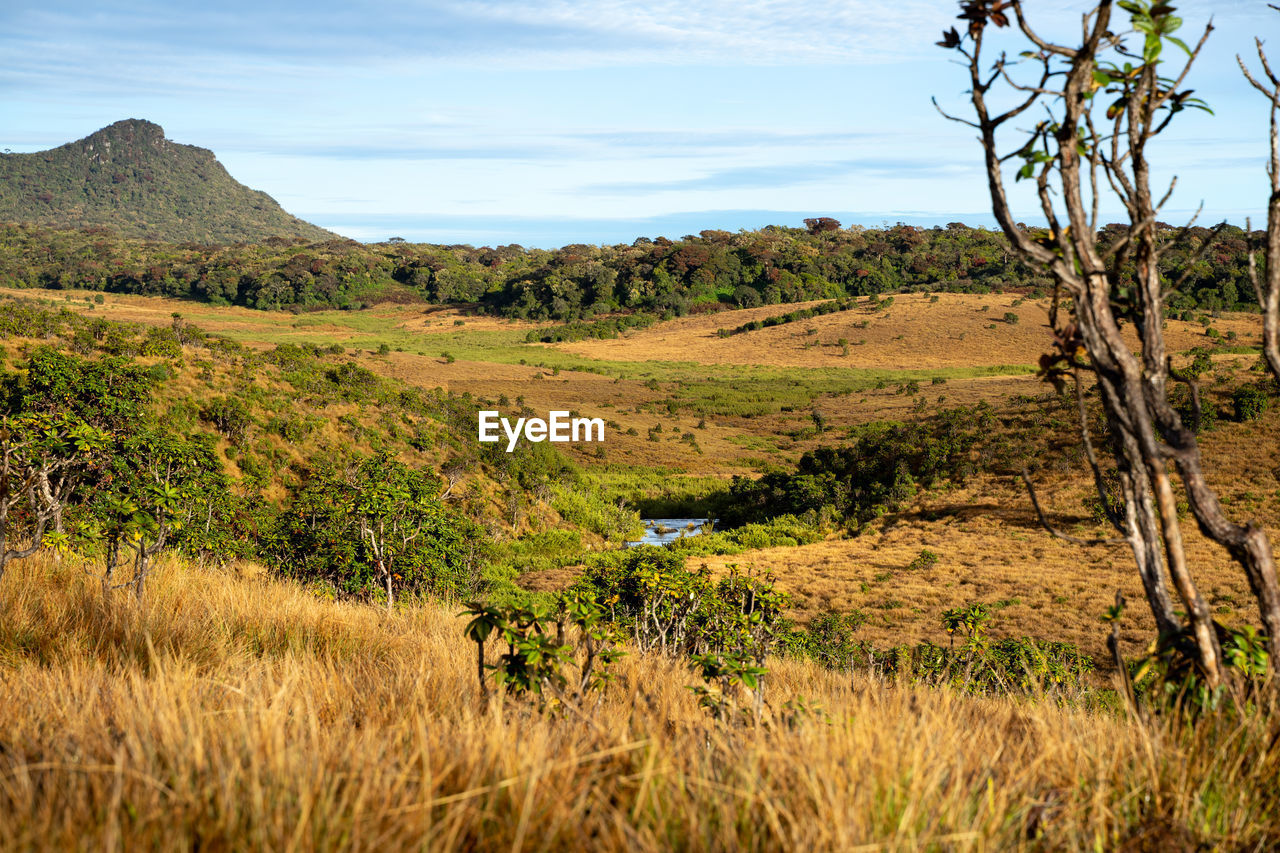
<point>132,179</point>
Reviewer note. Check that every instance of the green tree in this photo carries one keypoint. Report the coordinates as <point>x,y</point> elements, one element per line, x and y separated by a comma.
<point>42,458</point>
<point>378,524</point>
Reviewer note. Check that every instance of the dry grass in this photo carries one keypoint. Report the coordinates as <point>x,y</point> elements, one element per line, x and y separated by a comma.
<point>914,333</point>
<point>233,713</point>
<point>991,549</point>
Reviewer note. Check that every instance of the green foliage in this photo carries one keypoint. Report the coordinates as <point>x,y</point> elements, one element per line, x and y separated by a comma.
<point>830,640</point>
<point>1005,666</point>
<point>229,416</point>
<point>1250,401</point>
<point>108,393</point>
<point>819,310</point>
<point>586,508</point>
<point>155,488</point>
<point>553,654</point>
<point>784,531</point>
<point>376,528</point>
<point>879,472</point>
<point>926,559</point>
<point>674,611</point>
<point>131,179</point>
<point>1168,676</point>
<point>606,329</point>
<point>971,620</point>
<point>576,284</point>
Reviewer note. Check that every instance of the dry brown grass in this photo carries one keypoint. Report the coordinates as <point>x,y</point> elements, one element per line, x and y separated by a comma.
<point>992,550</point>
<point>234,713</point>
<point>914,333</point>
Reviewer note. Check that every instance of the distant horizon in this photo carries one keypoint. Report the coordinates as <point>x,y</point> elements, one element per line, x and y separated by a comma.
<point>537,232</point>
<point>581,120</point>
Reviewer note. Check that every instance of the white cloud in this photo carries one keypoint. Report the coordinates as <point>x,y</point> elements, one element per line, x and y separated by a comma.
<point>752,32</point>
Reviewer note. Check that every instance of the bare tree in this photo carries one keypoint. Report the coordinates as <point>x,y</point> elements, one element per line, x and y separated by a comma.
<point>1268,288</point>
<point>1104,100</point>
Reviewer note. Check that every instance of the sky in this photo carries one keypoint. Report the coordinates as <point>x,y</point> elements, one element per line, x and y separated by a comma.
<point>582,121</point>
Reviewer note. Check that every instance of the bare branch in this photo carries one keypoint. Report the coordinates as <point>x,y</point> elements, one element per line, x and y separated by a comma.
<point>950,117</point>
<point>1053,531</point>
<point>1046,46</point>
<point>1169,194</point>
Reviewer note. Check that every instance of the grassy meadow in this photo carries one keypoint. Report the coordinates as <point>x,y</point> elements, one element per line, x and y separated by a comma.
<point>230,711</point>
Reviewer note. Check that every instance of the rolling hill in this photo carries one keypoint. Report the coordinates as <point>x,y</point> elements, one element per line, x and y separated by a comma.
<point>130,178</point>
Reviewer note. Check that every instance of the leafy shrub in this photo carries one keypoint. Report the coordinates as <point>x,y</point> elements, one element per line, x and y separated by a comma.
<point>376,528</point>
<point>107,393</point>
<point>926,559</point>
<point>538,658</point>
<point>674,611</point>
<point>1250,401</point>
<point>785,531</point>
<point>229,416</point>
<point>829,640</point>
<point>353,382</point>
<point>1021,665</point>
<point>585,507</point>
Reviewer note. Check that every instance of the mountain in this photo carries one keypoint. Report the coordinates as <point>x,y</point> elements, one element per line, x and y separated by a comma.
<point>130,178</point>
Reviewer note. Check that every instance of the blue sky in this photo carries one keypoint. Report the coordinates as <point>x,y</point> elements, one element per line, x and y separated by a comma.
<point>546,123</point>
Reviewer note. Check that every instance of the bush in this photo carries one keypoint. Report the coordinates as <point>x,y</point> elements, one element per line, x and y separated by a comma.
<point>674,611</point>
<point>1021,665</point>
<point>829,640</point>
<point>1250,401</point>
<point>926,559</point>
<point>377,528</point>
<point>229,416</point>
<point>785,531</point>
<point>585,507</point>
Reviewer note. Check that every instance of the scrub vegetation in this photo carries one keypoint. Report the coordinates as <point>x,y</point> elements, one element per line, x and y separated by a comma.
<point>261,586</point>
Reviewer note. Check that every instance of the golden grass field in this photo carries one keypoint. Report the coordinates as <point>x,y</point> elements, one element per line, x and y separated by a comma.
<point>232,712</point>
<point>912,334</point>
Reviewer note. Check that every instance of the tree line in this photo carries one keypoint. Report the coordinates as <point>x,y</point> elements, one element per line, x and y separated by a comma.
<point>659,277</point>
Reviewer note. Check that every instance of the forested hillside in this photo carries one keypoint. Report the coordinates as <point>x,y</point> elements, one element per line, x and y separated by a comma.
<point>130,177</point>
<point>222,452</point>
<point>659,277</point>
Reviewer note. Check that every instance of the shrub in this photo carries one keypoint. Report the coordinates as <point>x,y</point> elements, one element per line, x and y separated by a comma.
<point>229,416</point>
<point>829,640</point>
<point>669,609</point>
<point>1250,401</point>
<point>926,559</point>
<point>376,528</point>
<point>586,508</point>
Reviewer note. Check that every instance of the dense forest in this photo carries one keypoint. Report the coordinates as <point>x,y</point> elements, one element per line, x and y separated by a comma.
<point>658,277</point>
